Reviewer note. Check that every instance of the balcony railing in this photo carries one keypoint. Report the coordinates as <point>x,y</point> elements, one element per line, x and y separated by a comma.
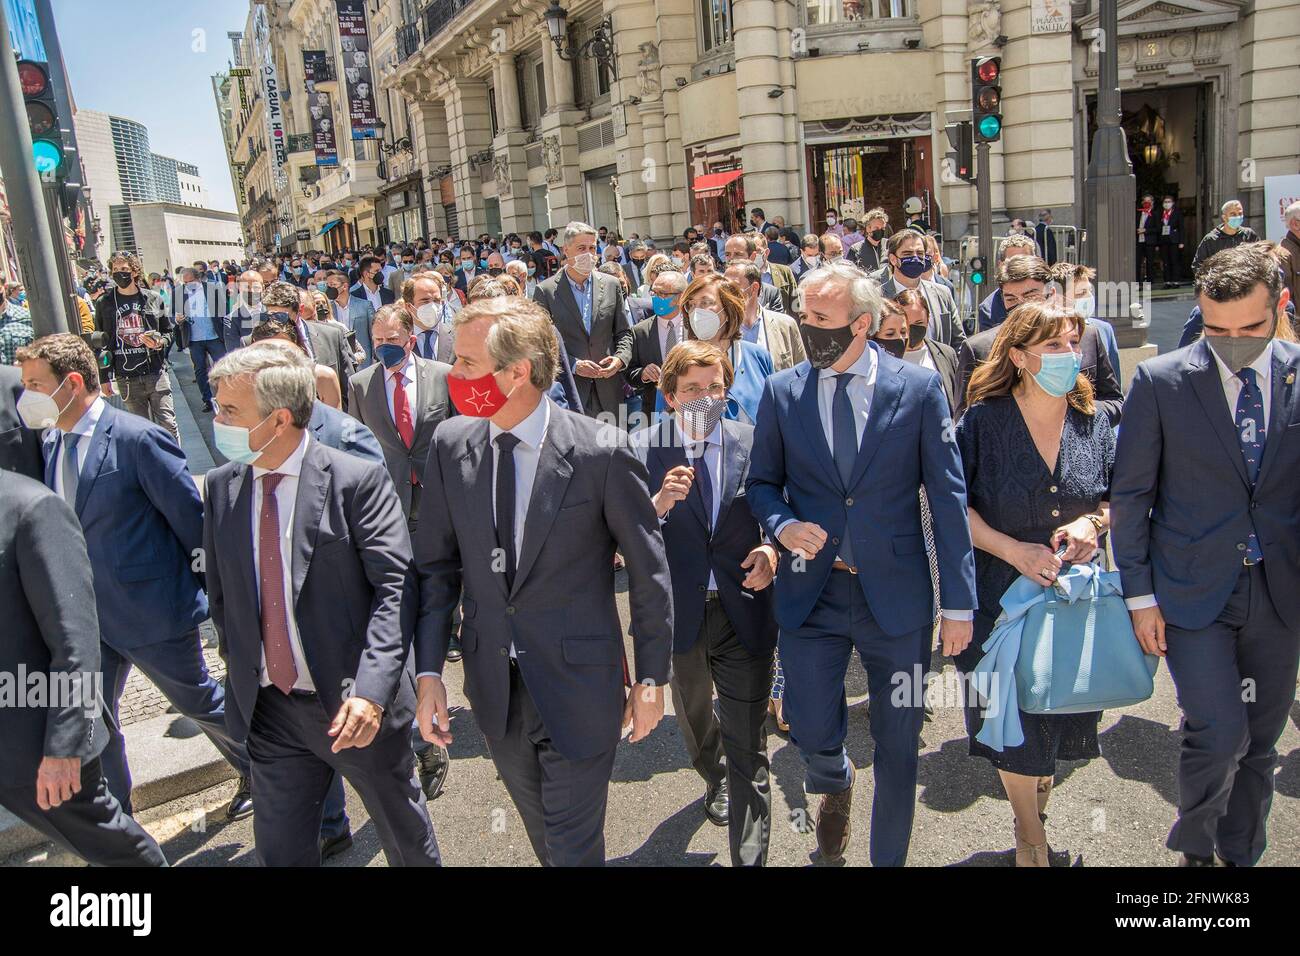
<point>408,41</point>
<point>300,142</point>
<point>438,14</point>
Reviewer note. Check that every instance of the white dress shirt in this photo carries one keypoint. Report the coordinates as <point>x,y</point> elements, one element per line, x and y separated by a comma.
<point>286,494</point>
<point>407,369</point>
<point>1232,385</point>
<point>84,428</point>
<point>711,445</point>
<point>375,297</point>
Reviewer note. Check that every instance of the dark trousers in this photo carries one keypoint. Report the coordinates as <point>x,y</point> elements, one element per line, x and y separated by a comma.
<point>738,729</point>
<point>1146,262</point>
<point>92,824</point>
<point>177,668</point>
<point>562,801</point>
<point>200,353</point>
<point>1236,684</point>
<point>335,821</point>
<point>815,658</point>
<point>1170,255</point>
<point>293,767</point>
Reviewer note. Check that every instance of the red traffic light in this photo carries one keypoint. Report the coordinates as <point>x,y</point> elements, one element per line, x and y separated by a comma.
<point>988,70</point>
<point>33,78</point>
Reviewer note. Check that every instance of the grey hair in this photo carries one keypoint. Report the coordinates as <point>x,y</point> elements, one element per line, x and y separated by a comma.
<point>521,329</point>
<point>281,374</point>
<point>1231,202</point>
<point>1291,213</point>
<point>676,279</point>
<point>575,229</point>
<point>864,292</point>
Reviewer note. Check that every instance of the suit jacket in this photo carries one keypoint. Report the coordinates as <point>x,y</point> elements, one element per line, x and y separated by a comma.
<point>867,257</point>
<point>368,403</point>
<point>20,446</point>
<point>784,280</point>
<point>784,343</point>
<point>906,446</point>
<point>769,298</point>
<point>1176,235</point>
<point>645,351</point>
<point>445,349</point>
<point>338,429</point>
<point>140,512</point>
<point>694,550</point>
<point>330,346</point>
<point>1046,240</point>
<point>1151,235</point>
<point>50,628</point>
<point>946,364</point>
<point>589,500</point>
<point>945,322</point>
<point>639,308</point>
<point>1095,364</point>
<point>610,334</point>
<point>351,567</point>
<point>361,315</point>
<point>1182,505</point>
<point>564,390</point>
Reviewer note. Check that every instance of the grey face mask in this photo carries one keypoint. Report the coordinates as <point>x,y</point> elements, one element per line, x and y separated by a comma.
<point>1239,351</point>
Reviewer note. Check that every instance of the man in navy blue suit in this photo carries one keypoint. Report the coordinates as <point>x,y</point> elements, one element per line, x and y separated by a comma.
<point>140,512</point>
<point>1205,513</point>
<point>724,632</point>
<point>843,445</point>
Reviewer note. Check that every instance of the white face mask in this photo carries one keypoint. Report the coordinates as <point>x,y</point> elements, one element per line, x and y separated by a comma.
<point>38,410</point>
<point>583,264</point>
<point>428,315</point>
<point>1085,306</point>
<point>705,323</point>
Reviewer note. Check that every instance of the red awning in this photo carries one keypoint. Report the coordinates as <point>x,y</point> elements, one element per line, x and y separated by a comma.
<point>712,184</point>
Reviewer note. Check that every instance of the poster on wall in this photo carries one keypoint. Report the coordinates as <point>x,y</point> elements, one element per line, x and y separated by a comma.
<point>1279,192</point>
<point>354,50</point>
<point>315,66</point>
<point>276,136</point>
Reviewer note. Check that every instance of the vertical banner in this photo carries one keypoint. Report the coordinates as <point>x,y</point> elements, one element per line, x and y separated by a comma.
<point>275,132</point>
<point>354,49</point>
<point>315,66</point>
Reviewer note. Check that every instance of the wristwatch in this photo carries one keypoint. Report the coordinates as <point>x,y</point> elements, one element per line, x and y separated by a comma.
<point>1096,523</point>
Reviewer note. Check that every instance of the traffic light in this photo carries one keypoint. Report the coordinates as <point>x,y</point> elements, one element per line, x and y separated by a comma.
<point>986,98</point>
<point>962,158</point>
<point>42,118</point>
<point>977,271</point>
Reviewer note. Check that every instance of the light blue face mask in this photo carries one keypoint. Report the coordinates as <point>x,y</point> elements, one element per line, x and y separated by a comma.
<point>232,441</point>
<point>1236,221</point>
<point>663,305</point>
<point>1059,372</point>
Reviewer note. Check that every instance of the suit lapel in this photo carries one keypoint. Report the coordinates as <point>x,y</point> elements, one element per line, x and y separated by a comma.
<point>885,400</point>
<point>810,414</point>
<point>96,453</point>
<point>564,293</point>
<point>1282,406</point>
<point>376,403</point>
<point>241,514</point>
<point>554,469</point>
<point>476,480</point>
<point>671,453</point>
<point>309,505</point>
<point>1207,384</point>
<point>425,384</point>
<point>734,458</point>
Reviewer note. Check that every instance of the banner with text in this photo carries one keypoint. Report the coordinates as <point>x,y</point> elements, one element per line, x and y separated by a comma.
<point>354,46</point>
<point>315,67</point>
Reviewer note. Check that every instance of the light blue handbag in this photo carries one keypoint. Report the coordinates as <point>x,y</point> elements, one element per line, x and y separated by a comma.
<point>1078,652</point>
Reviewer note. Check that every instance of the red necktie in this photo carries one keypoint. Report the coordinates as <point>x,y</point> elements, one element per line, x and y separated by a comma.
<point>402,416</point>
<point>275,621</point>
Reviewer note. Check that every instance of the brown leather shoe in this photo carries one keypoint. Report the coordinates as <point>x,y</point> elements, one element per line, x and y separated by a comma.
<point>834,826</point>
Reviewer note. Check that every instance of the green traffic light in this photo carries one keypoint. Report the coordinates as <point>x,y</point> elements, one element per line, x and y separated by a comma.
<point>977,278</point>
<point>990,127</point>
<point>47,155</point>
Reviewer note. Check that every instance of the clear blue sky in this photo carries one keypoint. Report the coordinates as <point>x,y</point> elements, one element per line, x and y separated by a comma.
<point>137,59</point>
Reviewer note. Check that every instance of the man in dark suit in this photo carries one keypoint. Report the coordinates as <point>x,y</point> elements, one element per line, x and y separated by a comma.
<point>246,310</point>
<point>908,261</point>
<point>1205,519</point>
<point>1045,238</point>
<point>370,284</point>
<point>1148,240</point>
<point>140,512</point>
<point>422,296</point>
<point>778,281</point>
<point>587,309</point>
<point>20,446</point>
<point>525,505</point>
<point>843,445</point>
<point>1026,279</point>
<point>654,338</point>
<point>724,632</point>
<point>924,351</point>
<point>402,398</point>
<point>1171,239</point>
<point>326,344</point>
<point>50,773</point>
<point>308,564</point>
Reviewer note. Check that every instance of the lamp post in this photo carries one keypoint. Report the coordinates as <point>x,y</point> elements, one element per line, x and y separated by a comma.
<point>1110,189</point>
<point>599,46</point>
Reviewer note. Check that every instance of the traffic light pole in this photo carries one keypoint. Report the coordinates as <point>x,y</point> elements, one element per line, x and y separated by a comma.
<point>33,241</point>
<point>984,199</point>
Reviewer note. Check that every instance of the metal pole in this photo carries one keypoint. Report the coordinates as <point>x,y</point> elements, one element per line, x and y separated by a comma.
<point>984,199</point>
<point>63,264</point>
<point>33,242</point>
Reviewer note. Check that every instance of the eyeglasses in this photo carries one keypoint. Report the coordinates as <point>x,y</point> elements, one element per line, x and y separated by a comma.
<point>692,392</point>
<point>1011,301</point>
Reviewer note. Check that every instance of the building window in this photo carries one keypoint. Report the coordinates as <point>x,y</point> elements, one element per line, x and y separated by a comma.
<point>822,12</point>
<point>492,109</point>
<point>715,24</point>
<point>539,80</point>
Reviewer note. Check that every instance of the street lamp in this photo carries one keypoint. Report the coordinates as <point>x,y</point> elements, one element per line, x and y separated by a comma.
<point>599,46</point>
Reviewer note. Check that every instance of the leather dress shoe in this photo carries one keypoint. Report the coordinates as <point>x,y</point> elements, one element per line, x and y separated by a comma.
<point>1190,860</point>
<point>433,764</point>
<point>333,846</point>
<point>833,824</point>
<point>454,652</point>
<point>717,804</point>
<point>241,804</point>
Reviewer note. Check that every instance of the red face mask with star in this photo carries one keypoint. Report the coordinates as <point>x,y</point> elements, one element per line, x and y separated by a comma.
<point>477,397</point>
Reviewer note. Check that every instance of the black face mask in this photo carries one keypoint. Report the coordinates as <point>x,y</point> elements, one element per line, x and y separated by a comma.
<point>331,293</point>
<point>322,313</point>
<point>877,235</point>
<point>123,279</point>
<point>895,347</point>
<point>915,336</point>
<point>826,346</point>
<point>494,271</point>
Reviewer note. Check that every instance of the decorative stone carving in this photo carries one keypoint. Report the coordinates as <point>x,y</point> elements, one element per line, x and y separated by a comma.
<point>647,71</point>
<point>551,160</point>
<point>501,172</point>
<point>984,24</point>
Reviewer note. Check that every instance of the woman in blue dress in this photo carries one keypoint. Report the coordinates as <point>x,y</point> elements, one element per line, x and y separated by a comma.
<point>1038,462</point>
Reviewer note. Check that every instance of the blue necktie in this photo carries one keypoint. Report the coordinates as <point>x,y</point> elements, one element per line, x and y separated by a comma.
<point>844,434</point>
<point>69,465</point>
<point>429,351</point>
<point>705,483</point>
<point>1250,431</point>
